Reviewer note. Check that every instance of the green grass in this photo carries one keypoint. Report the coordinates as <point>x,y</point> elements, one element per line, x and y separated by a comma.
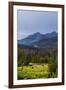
<point>33,72</point>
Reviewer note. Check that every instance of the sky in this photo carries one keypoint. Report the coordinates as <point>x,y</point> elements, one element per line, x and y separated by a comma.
<point>29,22</point>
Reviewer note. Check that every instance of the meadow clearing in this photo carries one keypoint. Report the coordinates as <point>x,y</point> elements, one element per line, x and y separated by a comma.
<point>34,71</point>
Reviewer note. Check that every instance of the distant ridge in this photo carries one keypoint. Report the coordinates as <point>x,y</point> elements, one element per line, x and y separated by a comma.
<point>40,40</point>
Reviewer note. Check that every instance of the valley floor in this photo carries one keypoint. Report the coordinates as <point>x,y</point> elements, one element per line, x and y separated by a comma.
<point>33,72</point>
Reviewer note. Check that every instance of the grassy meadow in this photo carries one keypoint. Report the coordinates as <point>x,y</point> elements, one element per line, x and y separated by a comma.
<point>34,71</point>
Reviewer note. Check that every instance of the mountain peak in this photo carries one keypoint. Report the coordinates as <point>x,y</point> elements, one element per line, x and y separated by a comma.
<point>54,32</point>
<point>37,37</point>
<point>37,33</point>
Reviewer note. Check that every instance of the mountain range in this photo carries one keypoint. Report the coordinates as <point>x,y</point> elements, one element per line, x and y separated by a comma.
<point>38,40</point>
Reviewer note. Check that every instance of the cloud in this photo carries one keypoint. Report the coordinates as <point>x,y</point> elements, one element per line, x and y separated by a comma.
<point>36,21</point>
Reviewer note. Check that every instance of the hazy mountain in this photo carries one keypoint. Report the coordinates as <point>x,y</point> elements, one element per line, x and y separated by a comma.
<point>40,40</point>
<point>31,39</point>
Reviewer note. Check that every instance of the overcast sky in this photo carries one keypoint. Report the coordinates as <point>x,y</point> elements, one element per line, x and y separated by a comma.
<point>30,22</point>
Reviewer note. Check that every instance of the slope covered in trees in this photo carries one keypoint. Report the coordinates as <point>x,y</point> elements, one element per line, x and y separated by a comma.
<point>37,62</point>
